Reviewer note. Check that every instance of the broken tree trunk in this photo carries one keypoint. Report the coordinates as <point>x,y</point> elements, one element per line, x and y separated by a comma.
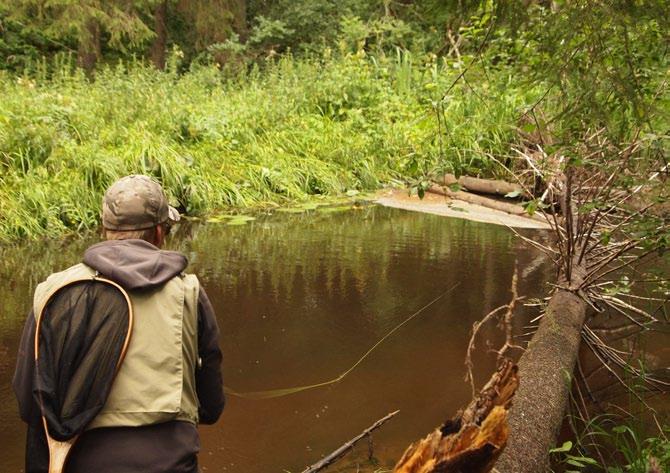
<point>546,369</point>
<point>471,441</point>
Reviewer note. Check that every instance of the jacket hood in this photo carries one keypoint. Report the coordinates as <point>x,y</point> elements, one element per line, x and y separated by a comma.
<point>134,264</point>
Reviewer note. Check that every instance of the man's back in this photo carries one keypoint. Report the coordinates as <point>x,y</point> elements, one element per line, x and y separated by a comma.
<point>170,377</point>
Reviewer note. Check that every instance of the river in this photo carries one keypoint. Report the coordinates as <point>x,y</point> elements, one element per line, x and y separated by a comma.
<point>299,298</point>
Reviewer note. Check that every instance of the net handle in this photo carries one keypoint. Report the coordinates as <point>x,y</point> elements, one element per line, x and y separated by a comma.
<point>58,450</point>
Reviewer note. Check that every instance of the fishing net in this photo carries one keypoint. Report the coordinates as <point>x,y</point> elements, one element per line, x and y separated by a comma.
<point>80,341</point>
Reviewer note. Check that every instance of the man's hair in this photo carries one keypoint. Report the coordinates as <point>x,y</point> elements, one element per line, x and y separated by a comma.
<point>148,234</point>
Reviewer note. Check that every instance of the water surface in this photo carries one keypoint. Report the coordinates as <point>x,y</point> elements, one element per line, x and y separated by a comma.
<point>299,298</point>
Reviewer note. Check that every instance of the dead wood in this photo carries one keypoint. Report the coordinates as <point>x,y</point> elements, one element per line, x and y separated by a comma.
<point>473,440</point>
<point>590,207</point>
<point>546,369</point>
<point>485,186</point>
<point>507,207</point>
<point>548,363</point>
<point>337,454</point>
<point>506,323</point>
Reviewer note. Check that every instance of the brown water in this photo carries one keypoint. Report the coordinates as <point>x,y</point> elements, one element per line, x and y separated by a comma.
<point>299,299</point>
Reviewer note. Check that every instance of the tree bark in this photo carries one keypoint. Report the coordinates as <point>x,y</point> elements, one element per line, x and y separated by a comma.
<point>485,186</point>
<point>507,207</point>
<point>160,42</point>
<point>545,370</point>
<point>239,10</point>
<point>89,45</point>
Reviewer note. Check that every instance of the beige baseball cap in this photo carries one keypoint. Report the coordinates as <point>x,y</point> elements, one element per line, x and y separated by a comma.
<point>136,202</point>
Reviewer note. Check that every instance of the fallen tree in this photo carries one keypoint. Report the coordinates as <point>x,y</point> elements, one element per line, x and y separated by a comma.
<point>592,244</point>
<point>546,367</point>
<point>486,186</point>
<point>590,217</point>
<point>510,208</point>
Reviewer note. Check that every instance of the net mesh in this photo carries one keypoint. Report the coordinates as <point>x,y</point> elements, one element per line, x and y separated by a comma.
<point>81,334</point>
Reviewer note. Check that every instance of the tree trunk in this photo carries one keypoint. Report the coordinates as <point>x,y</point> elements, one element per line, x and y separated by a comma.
<point>485,186</point>
<point>160,42</point>
<point>89,45</point>
<point>507,207</point>
<point>239,10</point>
<point>545,371</point>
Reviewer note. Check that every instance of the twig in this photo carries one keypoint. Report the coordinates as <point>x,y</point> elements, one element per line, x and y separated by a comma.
<point>471,344</point>
<point>337,454</point>
<point>507,321</point>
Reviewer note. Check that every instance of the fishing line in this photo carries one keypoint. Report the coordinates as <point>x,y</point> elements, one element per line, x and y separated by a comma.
<point>273,393</point>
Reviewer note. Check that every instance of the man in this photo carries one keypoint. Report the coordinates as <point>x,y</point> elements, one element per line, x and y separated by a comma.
<point>170,378</point>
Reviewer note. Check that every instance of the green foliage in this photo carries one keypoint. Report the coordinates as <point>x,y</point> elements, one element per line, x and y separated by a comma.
<point>624,445</point>
<point>603,63</point>
<point>578,461</point>
<point>319,96</point>
<point>299,128</point>
<point>64,21</point>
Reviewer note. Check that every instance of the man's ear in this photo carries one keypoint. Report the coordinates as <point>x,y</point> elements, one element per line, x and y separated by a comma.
<point>159,236</point>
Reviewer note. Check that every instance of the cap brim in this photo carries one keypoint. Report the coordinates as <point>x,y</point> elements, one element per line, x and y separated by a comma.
<point>173,214</point>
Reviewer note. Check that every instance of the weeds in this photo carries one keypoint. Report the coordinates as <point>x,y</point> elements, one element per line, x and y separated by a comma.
<point>629,450</point>
<point>298,128</point>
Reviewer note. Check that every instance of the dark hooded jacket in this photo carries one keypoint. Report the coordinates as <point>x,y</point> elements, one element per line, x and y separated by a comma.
<point>167,447</point>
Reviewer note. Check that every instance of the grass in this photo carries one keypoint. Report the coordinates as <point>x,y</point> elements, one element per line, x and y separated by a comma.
<point>625,446</point>
<point>296,129</point>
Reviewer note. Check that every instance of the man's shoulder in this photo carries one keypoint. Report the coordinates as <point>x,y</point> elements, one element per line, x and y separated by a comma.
<point>190,283</point>
<point>56,280</point>
<point>77,271</point>
<point>191,278</point>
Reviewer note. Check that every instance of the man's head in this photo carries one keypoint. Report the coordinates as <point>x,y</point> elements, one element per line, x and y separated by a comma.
<point>136,207</point>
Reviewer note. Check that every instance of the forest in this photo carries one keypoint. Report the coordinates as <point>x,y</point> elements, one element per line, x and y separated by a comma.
<point>245,107</point>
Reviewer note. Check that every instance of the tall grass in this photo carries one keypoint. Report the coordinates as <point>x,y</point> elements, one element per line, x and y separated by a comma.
<point>295,129</point>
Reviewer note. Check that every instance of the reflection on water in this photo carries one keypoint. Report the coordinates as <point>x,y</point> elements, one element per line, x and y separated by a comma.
<point>299,299</point>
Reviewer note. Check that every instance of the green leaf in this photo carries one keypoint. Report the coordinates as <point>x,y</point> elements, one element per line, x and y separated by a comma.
<point>605,238</point>
<point>334,209</point>
<point>240,220</point>
<point>291,210</point>
<point>513,194</point>
<point>566,447</point>
<point>219,218</point>
<point>455,187</point>
<point>531,207</point>
<point>586,460</point>
<point>621,429</point>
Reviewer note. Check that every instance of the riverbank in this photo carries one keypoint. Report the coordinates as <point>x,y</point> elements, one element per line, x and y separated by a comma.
<point>440,205</point>
<point>297,129</point>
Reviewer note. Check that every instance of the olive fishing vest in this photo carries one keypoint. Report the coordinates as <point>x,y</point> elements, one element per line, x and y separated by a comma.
<point>156,381</point>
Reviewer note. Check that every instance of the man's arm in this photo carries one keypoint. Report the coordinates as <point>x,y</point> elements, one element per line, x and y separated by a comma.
<point>208,378</point>
<point>23,375</point>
